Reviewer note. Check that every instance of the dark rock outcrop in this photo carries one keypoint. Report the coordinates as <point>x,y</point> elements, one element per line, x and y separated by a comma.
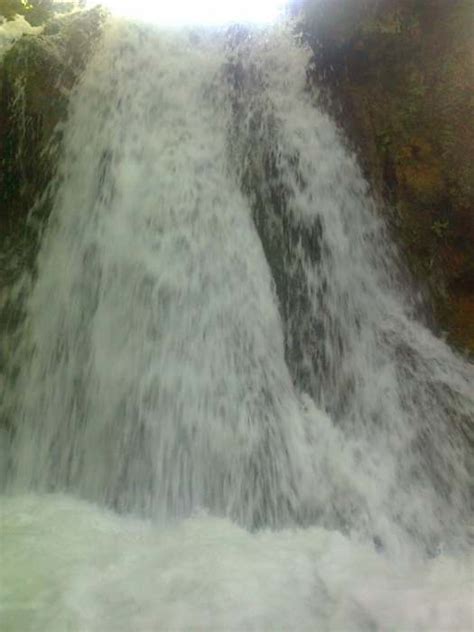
<point>399,77</point>
<point>36,77</point>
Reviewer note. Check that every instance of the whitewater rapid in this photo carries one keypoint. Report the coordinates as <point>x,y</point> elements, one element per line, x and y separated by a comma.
<point>218,346</point>
<point>72,566</point>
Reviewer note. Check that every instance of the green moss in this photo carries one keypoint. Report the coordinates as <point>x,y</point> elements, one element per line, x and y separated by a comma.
<point>440,228</point>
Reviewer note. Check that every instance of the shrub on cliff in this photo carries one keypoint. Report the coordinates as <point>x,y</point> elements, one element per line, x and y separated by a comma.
<point>36,12</point>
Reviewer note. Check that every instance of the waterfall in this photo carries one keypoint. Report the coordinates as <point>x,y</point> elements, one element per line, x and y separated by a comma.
<point>218,342</point>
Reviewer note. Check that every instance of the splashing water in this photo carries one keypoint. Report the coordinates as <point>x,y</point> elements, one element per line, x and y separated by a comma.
<point>218,325</point>
<point>87,569</point>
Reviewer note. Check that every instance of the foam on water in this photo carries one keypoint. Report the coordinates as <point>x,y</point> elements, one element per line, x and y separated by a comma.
<point>70,565</point>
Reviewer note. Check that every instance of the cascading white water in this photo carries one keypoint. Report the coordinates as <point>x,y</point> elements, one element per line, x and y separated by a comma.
<point>352,341</point>
<point>217,326</point>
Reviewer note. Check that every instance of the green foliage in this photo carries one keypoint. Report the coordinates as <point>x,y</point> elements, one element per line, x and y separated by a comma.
<point>37,12</point>
<point>440,228</point>
<point>10,8</point>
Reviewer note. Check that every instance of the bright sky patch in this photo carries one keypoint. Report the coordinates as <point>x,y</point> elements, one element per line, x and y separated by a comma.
<point>204,12</point>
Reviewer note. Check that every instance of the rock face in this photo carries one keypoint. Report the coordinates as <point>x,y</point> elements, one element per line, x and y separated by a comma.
<point>399,76</point>
<point>36,77</point>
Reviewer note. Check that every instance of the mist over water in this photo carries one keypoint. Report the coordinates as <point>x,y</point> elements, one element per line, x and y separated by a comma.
<point>218,342</point>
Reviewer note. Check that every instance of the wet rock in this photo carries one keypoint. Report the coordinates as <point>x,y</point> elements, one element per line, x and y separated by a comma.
<point>36,77</point>
<point>399,78</point>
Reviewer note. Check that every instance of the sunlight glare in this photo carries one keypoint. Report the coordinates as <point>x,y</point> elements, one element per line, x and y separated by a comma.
<point>204,12</point>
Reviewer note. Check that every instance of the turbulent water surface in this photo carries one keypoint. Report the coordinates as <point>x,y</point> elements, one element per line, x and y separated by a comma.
<point>225,414</point>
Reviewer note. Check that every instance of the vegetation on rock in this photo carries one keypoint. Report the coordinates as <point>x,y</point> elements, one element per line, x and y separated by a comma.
<point>36,12</point>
